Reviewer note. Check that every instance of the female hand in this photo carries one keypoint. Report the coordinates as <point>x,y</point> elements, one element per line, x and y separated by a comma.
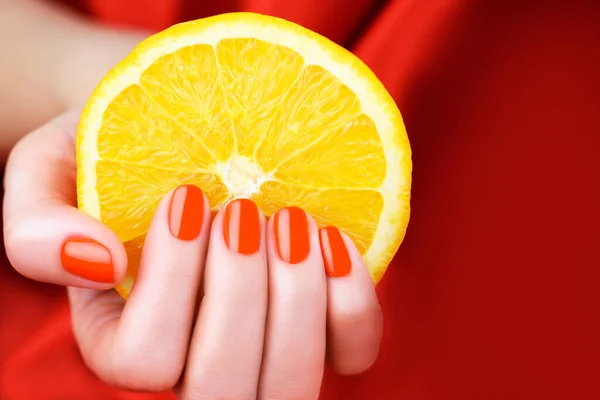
<point>235,308</point>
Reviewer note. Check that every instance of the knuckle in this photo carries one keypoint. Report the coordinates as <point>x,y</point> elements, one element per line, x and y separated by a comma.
<point>22,150</point>
<point>20,147</point>
<point>16,244</point>
<point>11,244</point>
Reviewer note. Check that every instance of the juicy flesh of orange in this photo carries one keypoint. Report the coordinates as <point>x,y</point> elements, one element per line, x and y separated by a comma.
<point>245,118</point>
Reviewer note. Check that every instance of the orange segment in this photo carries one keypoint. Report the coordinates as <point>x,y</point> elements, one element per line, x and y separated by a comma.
<point>316,105</point>
<point>334,162</point>
<point>246,106</point>
<point>194,99</point>
<point>133,116</point>
<point>255,76</point>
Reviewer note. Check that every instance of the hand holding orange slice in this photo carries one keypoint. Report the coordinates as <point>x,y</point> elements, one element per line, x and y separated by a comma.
<point>245,105</point>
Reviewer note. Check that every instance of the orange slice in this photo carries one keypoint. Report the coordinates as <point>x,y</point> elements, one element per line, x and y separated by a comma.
<point>245,105</point>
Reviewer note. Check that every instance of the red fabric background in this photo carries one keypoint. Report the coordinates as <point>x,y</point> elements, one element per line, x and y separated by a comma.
<point>492,294</point>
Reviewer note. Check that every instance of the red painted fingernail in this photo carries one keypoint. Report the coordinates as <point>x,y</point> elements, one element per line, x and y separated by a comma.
<point>186,212</point>
<point>291,235</point>
<point>241,226</point>
<point>335,253</point>
<point>87,259</point>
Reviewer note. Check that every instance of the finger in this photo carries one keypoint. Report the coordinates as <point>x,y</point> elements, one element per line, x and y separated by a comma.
<point>226,349</point>
<point>47,239</point>
<point>354,318</point>
<point>296,321</point>
<point>146,348</point>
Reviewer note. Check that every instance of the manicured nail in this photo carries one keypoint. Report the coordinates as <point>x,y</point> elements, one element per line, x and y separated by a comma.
<point>186,212</point>
<point>87,259</point>
<point>241,226</point>
<point>291,235</point>
<point>335,253</point>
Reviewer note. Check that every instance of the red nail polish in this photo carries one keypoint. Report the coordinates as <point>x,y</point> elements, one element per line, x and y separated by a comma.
<point>291,235</point>
<point>241,226</point>
<point>87,259</point>
<point>186,212</point>
<point>335,254</point>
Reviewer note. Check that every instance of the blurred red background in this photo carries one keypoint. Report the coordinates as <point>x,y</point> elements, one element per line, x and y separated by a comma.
<point>493,293</point>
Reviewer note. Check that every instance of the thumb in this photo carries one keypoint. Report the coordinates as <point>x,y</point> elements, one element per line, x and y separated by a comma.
<point>46,237</point>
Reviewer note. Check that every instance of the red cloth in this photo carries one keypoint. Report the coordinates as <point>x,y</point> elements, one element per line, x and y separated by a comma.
<point>491,294</point>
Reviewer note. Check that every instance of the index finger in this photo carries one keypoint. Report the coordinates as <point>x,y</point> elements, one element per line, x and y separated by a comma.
<point>46,237</point>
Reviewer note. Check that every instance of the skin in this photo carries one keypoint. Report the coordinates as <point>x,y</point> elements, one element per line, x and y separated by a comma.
<point>50,62</point>
<point>202,319</point>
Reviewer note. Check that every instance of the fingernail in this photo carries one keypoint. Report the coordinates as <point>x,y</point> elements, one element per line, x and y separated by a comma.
<point>241,226</point>
<point>186,212</point>
<point>335,253</point>
<point>87,259</point>
<point>291,235</point>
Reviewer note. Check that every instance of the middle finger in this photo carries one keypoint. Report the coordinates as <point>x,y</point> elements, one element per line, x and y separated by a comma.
<point>226,349</point>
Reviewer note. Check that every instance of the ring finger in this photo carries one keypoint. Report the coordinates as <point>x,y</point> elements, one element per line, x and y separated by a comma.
<point>296,323</point>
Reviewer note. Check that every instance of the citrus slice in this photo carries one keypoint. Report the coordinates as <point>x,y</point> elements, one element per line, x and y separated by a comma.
<point>245,105</point>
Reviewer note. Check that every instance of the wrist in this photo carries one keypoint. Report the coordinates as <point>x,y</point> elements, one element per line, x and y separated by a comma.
<point>88,57</point>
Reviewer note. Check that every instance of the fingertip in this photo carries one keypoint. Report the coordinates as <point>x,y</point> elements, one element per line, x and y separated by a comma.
<point>183,215</point>
<point>62,246</point>
<point>294,237</point>
<point>187,212</point>
<point>41,220</point>
<point>181,222</point>
<point>335,251</point>
<point>87,258</point>
<point>355,320</point>
<point>240,226</point>
<point>90,251</point>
